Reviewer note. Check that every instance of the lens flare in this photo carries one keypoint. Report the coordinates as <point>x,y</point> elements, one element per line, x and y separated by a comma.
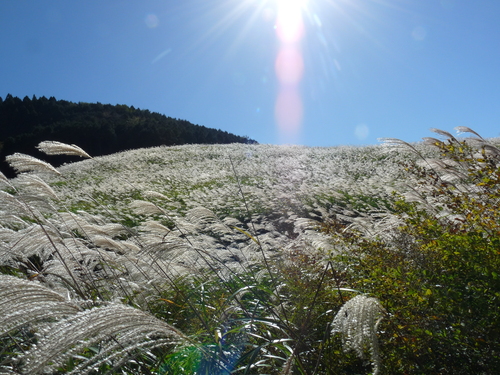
<point>361,132</point>
<point>289,112</point>
<point>289,68</point>
<point>152,21</point>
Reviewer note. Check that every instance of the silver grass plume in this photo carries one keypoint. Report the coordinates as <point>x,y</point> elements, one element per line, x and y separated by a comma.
<point>77,260</point>
<point>36,184</point>
<point>155,227</point>
<point>88,225</point>
<point>141,207</point>
<point>108,243</point>
<point>465,129</point>
<point>357,321</point>
<point>118,329</point>
<point>432,141</point>
<point>155,195</point>
<point>444,133</point>
<point>398,144</point>
<point>492,149</point>
<point>59,148</point>
<point>10,203</point>
<point>24,302</point>
<point>168,249</point>
<point>25,163</point>
<point>3,178</point>
<point>110,230</point>
<point>201,216</point>
<point>33,240</point>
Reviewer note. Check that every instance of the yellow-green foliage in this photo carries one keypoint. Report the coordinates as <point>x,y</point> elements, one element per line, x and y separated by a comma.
<point>438,276</point>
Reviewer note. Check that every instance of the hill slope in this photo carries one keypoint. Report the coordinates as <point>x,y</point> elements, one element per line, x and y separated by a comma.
<point>266,188</point>
<point>263,245</point>
<point>101,129</point>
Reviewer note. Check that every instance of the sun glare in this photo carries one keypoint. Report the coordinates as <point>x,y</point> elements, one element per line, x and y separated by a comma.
<point>289,23</point>
<point>289,67</point>
<point>289,20</point>
<point>291,3</point>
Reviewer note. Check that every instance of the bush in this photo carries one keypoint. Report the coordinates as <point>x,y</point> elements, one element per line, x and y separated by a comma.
<point>437,275</point>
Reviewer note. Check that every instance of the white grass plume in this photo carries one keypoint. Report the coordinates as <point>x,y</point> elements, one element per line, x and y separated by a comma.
<point>59,148</point>
<point>431,141</point>
<point>35,184</point>
<point>108,243</point>
<point>25,163</point>
<point>444,134</point>
<point>4,179</point>
<point>116,328</point>
<point>492,150</point>
<point>146,208</point>
<point>31,241</point>
<point>23,302</point>
<point>168,248</point>
<point>154,227</point>
<point>155,195</point>
<point>398,144</point>
<point>10,203</point>
<point>465,129</point>
<point>357,321</point>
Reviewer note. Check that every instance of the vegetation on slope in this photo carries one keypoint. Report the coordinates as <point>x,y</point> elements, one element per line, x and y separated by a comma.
<point>438,274</point>
<point>100,129</point>
<point>261,260</point>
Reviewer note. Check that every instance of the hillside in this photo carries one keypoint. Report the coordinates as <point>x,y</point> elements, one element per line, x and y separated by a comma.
<point>101,129</point>
<point>275,190</point>
<point>254,259</point>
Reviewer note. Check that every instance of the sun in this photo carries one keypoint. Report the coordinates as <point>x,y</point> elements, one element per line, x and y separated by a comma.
<point>289,22</point>
<point>300,4</point>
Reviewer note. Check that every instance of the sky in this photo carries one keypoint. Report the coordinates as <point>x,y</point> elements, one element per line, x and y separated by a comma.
<point>308,72</point>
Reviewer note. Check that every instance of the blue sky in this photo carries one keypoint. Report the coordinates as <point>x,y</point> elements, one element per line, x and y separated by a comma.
<point>361,69</point>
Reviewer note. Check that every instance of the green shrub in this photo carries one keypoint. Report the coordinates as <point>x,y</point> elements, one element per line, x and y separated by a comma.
<point>438,274</point>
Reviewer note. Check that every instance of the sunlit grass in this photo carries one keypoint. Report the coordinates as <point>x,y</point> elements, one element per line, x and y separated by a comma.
<point>236,259</point>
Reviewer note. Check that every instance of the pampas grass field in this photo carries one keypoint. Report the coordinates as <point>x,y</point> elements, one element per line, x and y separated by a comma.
<point>253,259</point>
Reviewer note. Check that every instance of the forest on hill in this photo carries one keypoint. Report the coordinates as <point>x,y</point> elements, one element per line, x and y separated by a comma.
<point>100,129</point>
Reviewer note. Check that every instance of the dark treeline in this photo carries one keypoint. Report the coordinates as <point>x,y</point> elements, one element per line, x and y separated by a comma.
<point>100,129</point>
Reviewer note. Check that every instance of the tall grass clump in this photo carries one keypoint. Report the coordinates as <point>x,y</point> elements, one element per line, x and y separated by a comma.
<point>56,314</point>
